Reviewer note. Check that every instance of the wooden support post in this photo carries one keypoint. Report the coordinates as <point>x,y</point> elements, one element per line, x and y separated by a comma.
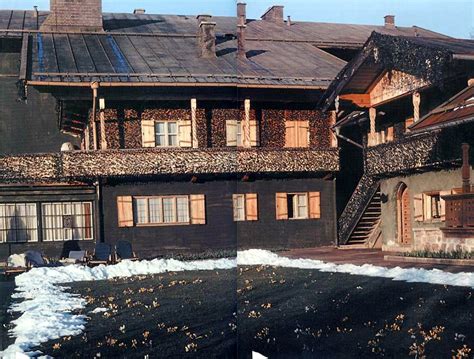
<point>246,125</point>
<point>194,127</point>
<point>470,82</point>
<point>372,140</point>
<point>103,139</point>
<point>332,122</point>
<point>94,86</point>
<point>466,169</point>
<point>416,106</point>
<point>87,142</point>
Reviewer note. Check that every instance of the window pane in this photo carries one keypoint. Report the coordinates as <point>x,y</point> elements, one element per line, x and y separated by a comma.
<point>239,133</point>
<point>168,210</point>
<point>155,210</point>
<point>18,222</point>
<point>172,128</point>
<point>172,140</point>
<point>160,140</point>
<point>160,128</point>
<point>302,206</point>
<point>290,202</point>
<point>141,210</point>
<point>183,209</point>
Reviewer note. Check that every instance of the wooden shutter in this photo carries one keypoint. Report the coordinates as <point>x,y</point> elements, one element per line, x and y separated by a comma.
<point>251,207</point>
<point>231,133</point>
<point>303,133</point>
<point>291,135</point>
<point>314,205</point>
<point>418,204</point>
<point>148,133</point>
<point>198,208</point>
<point>443,204</point>
<point>125,211</point>
<point>254,134</point>
<point>281,206</point>
<point>185,134</point>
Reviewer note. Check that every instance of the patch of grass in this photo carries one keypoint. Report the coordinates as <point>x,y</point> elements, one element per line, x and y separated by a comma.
<point>440,254</point>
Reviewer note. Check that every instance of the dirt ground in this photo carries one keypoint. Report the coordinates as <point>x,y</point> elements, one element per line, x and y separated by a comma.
<point>281,313</point>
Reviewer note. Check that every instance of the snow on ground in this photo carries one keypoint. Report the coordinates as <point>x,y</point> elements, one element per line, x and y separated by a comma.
<point>418,275</point>
<point>47,309</point>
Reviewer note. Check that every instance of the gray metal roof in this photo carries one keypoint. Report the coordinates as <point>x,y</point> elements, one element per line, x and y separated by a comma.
<point>162,49</point>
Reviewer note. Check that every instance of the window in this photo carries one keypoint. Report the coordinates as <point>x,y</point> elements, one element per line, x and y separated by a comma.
<point>63,221</point>
<point>245,207</point>
<point>305,205</point>
<point>18,222</point>
<point>235,133</point>
<point>166,134</point>
<point>430,206</point>
<point>162,210</point>
<point>297,206</point>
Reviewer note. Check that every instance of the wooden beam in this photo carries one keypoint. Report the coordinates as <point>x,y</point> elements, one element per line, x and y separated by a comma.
<point>372,139</point>
<point>103,138</point>
<point>332,122</point>
<point>361,100</point>
<point>246,125</point>
<point>194,126</point>
<point>416,106</point>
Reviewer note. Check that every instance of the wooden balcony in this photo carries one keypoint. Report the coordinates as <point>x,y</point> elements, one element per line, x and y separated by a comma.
<point>414,153</point>
<point>80,165</point>
<point>460,211</point>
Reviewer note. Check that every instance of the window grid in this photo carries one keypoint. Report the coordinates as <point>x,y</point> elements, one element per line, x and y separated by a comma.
<point>166,133</point>
<point>18,222</point>
<point>297,205</point>
<point>162,210</point>
<point>64,221</point>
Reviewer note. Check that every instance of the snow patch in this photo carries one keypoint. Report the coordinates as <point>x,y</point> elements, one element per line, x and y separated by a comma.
<point>411,275</point>
<point>47,308</point>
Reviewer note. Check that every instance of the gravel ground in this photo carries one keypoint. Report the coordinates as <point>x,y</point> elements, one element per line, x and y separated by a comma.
<point>279,312</point>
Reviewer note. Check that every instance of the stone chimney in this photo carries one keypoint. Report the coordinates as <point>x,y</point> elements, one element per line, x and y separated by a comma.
<point>241,13</point>
<point>74,16</point>
<point>207,39</point>
<point>241,50</point>
<point>274,14</point>
<point>389,21</point>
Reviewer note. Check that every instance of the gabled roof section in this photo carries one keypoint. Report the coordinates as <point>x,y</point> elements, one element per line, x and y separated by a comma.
<point>430,59</point>
<point>457,110</point>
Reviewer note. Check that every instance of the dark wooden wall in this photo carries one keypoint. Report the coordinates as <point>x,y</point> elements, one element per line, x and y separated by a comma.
<point>221,232</point>
<point>25,127</point>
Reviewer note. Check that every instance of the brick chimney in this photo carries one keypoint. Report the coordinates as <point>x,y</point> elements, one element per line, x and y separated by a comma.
<point>241,13</point>
<point>74,16</point>
<point>207,39</point>
<point>389,21</point>
<point>241,51</point>
<point>274,14</point>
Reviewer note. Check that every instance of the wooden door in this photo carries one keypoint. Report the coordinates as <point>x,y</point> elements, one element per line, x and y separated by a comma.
<point>405,217</point>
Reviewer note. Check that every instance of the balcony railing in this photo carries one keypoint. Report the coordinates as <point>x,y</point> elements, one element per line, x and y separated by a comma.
<point>145,162</point>
<point>433,150</point>
<point>460,211</point>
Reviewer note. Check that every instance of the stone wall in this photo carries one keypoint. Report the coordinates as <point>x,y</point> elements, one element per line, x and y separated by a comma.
<point>426,234</point>
<point>436,240</point>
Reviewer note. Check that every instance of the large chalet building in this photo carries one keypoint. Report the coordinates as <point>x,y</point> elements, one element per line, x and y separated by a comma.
<point>406,105</point>
<point>192,133</point>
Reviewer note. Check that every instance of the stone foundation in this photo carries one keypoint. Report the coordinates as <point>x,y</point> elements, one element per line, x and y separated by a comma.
<point>437,240</point>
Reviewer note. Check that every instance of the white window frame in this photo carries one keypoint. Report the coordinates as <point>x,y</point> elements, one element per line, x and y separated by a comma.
<point>240,211</point>
<point>53,223</point>
<point>428,206</point>
<point>161,220</point>
<point>29,221</point>
<point>298,213</point>
<point>167,133</point>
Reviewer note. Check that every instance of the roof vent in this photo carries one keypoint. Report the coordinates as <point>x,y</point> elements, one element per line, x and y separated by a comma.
<point>139,11</point>
<point>390,21</point>
<point>74,16</point>
<point>242,13</point>
<point>207,39</point>
<point>274,14</point>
